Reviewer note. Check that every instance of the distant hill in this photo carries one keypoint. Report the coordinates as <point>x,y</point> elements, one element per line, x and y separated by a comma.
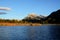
<point>34,18</point>
<point>53,18</point>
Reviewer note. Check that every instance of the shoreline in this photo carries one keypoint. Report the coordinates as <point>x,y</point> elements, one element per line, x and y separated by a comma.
<point>20,24</point>
<point>24,24</point>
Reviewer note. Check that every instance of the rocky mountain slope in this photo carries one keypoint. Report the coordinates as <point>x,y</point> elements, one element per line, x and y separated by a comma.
<point>33,18</point>
<point>54,17</point>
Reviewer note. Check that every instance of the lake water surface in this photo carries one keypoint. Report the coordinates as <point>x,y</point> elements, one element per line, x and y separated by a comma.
<point>45,32</point>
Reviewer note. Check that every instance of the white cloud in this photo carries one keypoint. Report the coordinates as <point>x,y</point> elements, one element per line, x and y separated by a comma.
<point>5,8</point>
<point>2,13</point>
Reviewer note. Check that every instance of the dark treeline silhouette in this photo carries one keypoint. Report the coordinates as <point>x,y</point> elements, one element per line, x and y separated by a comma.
<point>9,21</point>
<point>32,20</point>
<point>12,21</point>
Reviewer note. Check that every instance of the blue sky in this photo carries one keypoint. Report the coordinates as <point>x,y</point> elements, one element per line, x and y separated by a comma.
<point>21,8</point>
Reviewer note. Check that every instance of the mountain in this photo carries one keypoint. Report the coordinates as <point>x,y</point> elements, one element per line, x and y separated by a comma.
<point>34,18</point>
<point>54,17</point>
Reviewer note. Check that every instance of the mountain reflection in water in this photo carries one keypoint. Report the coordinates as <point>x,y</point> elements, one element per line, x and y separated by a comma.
<point>45,32</point>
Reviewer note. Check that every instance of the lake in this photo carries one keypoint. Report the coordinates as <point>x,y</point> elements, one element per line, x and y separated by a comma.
<point>44,32</point>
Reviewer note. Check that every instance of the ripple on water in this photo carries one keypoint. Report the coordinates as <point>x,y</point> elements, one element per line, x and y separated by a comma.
<point>46,32</point>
